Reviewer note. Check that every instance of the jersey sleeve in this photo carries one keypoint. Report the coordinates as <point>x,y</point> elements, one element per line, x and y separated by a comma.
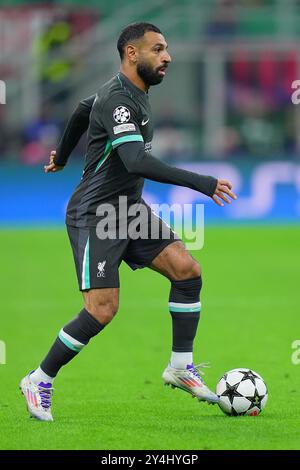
<point>120,118</point>
<point>140,163</point>
<point>76,127</point>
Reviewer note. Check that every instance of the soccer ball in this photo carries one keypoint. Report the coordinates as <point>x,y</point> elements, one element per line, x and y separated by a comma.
<point>242,392</point>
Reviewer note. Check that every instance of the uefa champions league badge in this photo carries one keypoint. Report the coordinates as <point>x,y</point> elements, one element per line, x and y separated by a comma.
<point>121,114</point>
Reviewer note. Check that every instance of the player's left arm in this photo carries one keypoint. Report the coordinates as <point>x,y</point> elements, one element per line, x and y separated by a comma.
<point>141,163</point>
<point>120,117</point>
<point>76,127</point>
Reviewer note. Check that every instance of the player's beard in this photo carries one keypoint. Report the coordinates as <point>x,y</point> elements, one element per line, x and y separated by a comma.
<point>149,75</point>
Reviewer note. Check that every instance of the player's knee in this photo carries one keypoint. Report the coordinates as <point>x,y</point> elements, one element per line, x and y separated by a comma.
<point>189,269</point>
<point>195,269</point>
<point>104,312</point>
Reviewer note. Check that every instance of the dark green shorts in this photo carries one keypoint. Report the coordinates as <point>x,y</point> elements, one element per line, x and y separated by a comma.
<point>97,260</point>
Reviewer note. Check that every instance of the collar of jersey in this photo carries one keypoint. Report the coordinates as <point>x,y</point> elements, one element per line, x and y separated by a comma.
<point>129,83</point>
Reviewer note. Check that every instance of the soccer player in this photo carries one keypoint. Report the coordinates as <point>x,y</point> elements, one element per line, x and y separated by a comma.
<point>120,128</point>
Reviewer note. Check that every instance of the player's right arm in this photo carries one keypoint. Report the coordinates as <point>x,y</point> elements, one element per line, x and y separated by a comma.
<point>75,128</point>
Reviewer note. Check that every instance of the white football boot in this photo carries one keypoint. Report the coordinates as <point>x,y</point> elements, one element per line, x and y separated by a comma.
<point>38,398</point>
<point>190,381</point>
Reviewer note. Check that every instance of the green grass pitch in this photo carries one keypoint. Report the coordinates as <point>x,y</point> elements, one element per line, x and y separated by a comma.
<point>111,396</point>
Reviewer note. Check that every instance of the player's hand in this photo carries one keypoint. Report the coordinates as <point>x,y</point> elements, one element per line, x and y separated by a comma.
<point>52,167</point>
<point>223,193</point>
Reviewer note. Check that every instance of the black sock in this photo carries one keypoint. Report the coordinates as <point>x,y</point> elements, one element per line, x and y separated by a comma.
<point>184,306</point>
<point>71,339</point>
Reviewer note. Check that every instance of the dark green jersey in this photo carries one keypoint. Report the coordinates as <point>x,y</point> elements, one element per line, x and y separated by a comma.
<point>118,158</point>
<point>120,113</point>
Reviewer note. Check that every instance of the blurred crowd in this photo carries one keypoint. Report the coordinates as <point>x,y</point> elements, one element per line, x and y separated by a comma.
<point>260,117</point>
<point>260,120</point>
<point>32,141</point>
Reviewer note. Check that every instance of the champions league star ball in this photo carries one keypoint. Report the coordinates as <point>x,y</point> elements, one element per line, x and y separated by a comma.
<point>242,392</point>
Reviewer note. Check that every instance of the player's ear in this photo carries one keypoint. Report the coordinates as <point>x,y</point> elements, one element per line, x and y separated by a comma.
<point>131,52</point>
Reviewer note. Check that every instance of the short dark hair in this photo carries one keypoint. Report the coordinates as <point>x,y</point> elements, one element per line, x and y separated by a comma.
<point>132,32</point>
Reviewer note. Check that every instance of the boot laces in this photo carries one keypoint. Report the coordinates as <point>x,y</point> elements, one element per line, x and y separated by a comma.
<point>46,397</point>
<point>198,372</point>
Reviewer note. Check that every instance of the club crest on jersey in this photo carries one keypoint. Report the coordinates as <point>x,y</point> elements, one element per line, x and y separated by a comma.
<point>121,114</point>
<point>101,267</point>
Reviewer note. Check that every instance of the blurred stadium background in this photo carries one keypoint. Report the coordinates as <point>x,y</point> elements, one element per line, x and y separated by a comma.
<point>224,108</point>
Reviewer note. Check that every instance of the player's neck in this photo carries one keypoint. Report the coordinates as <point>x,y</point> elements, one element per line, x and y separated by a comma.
<point>134,78</point>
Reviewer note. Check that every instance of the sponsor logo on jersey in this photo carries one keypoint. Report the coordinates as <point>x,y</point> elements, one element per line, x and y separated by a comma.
<point>148,146</point>
<point>121,114</point>
<point>123,128</point>
<point>101,266</point>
